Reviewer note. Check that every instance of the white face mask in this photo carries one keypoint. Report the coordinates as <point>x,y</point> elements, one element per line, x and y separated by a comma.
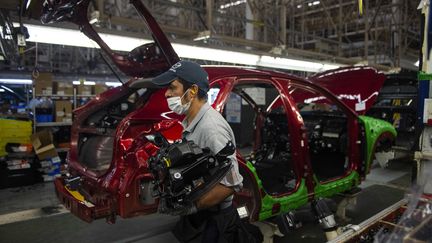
<point>175,104</point>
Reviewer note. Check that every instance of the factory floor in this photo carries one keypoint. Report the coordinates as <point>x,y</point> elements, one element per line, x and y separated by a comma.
<point>33,214</point>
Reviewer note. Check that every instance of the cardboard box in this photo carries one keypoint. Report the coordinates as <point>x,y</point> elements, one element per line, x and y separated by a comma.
<point>44,84</point>
<point>63,88</point>
<point>63,111</point>
<point>43,145</point>
<point>100,88</point>
<point>85,89</point>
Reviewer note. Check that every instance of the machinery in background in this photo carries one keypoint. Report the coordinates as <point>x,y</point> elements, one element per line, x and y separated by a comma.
<point>397,103</point>
<point>409,220</point>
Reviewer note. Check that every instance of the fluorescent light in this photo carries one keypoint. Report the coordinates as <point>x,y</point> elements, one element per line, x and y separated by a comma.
<point>2,90</point>
<point>16,81</point>
<point>231,4</point>
<point>85,83</point>
<point>292,64</point>
<point>204,53</point>
<point>113,84</point>
<point>299,6</point>
<point>94,17</point>
<point>313,3</point>
<point>328,66</point>
<point>417,63</point>
<point>204,35</point>
<point>70,37</point>
<point>94,20</point>
<point>6,88</point>
<point>28,3</point>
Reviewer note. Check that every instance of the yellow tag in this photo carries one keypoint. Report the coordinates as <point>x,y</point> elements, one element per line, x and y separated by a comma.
<point>79,197</point>
<point>76,195</point>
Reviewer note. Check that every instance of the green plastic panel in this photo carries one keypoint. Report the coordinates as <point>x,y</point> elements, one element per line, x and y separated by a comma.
<point>373,129</point>
<point>287,203</point>
<point>424,76</point>
<point>331,188</point>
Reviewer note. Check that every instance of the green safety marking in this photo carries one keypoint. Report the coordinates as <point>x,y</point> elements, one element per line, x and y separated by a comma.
<point>424,76</point>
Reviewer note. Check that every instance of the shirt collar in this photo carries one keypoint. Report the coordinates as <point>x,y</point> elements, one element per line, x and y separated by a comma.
<point>204,108</point>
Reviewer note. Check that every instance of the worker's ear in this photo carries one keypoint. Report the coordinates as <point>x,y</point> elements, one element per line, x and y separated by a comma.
<point>194,90</point>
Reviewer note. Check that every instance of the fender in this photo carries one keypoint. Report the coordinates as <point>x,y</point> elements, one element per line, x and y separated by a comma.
<point>376,130</point>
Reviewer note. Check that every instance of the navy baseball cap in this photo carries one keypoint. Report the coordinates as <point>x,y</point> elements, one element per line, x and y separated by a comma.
<point>188,71</point>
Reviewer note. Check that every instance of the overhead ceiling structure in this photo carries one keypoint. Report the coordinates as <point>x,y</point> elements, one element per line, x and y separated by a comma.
<point>386,35</point>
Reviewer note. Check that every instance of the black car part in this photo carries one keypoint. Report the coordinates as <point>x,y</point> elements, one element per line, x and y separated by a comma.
<point>183,172</point>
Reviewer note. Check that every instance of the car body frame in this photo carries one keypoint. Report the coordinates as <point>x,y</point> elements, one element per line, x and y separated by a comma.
<point>111,136</point>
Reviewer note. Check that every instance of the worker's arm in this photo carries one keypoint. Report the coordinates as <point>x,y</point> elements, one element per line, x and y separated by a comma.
<point>213,197</point>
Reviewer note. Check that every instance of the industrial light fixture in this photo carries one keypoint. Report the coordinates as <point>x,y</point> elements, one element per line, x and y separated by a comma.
<point>300,65</point>
<point>6,88</point>
<point>16,81</point>
<point>218,55</point>
<point>85,82</point>
<point>313,3</point>
<point>2,90</point>
<point>28,4</point>
<point>94,17</point>
<point>203,35</point>
<point>231,4</point>
<point>417,63</point>
<point>70,37</point>
<point>113,84</point>
<point>43,34</point>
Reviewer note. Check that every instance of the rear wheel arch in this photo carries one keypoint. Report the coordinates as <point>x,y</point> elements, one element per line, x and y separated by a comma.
<point>249,195</point>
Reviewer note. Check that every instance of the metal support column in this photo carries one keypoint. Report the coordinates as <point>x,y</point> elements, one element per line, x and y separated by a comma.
<point>366,33</point>
<point>283,26</point>
<point>424,156</point>
<point>209,20</point>
<point>249,26</point>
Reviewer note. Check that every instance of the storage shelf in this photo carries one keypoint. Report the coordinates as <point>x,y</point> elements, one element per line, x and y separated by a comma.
<point>398,96</point>
<point>53,124</point>
<point>54,95</point>
<point>92,95</point>
<point>394,107</point>
<point>59,150</point>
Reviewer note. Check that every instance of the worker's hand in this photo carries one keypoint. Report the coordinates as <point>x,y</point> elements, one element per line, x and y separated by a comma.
<point>188,209</point>
<point>163,207</point>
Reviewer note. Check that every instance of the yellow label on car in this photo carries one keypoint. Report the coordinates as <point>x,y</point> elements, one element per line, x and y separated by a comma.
<point>79,197</point>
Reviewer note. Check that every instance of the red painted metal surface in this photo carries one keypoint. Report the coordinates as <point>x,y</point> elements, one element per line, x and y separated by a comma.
<point>117,190</point>
<point>352,85</point>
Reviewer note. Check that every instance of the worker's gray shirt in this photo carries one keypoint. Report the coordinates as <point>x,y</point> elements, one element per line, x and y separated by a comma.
<point>210,129</point>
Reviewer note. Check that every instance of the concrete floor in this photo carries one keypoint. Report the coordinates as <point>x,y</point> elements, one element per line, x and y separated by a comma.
<point>33,214</point>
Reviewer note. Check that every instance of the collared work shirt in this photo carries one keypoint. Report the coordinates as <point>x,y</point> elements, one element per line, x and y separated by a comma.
<point>210,129</point>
